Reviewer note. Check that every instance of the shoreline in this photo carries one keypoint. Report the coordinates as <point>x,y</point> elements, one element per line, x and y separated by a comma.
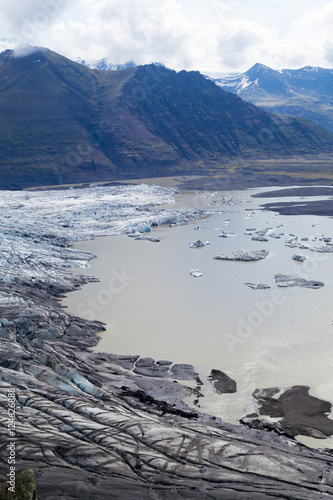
<point>322,187</point>
<point>104,425</point>
<point>150,347</point>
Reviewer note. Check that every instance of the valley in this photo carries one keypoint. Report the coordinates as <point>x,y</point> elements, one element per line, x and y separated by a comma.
<point>135,248</point>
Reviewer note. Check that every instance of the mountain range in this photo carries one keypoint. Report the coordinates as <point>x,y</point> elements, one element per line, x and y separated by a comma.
<point>305,92</point>
<point>62,122</point>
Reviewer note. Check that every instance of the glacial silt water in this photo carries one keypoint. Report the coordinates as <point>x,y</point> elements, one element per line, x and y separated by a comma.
<point>153,307</point>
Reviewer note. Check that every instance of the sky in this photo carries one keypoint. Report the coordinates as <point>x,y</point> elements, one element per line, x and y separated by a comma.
<point>211,36</point>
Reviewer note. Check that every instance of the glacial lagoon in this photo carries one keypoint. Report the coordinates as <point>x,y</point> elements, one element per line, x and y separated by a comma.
<point>154,307</point>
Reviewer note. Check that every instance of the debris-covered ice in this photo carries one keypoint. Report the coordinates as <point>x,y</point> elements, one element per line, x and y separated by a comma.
<point>282,280</point>
<point>37,226</point>
<point>259,238</point>
<point>243,255</point>
<point>196,273</point>
<point>224,234</point>
<point>299,258</point>
<point>147,238</point>
<point>197,244</point>
<point>257,286</point>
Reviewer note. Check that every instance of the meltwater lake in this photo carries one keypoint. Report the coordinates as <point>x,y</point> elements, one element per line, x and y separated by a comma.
<point>153,307</point>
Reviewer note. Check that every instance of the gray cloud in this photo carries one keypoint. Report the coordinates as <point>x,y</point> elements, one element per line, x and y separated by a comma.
<point>215,35</point>
<point>25,21</point>
<point>329,52</point>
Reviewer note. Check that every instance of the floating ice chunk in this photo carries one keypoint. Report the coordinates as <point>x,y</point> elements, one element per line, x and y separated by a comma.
<point>257,286</point>
<point>224,234</point>
<point>275,235</point>
<point>197,244</point>
<point>282,280</point>
<point>326,249</point>
<point>196,273</point>
<point>243,255</point>
<point>147,238</point>
<point>299,258</point>
<point>259,238</point>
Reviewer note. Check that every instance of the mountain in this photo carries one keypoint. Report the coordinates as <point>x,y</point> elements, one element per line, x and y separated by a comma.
<point>61,122</point>
<point>305,92</point>
<point>105,65</point>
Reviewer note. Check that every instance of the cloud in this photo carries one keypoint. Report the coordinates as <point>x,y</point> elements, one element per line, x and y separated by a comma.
<point>26,21</point>
<point>215,35</point>
<point>146,31</point>
<point>308,39</point>
<point>329,52</point>
<point>25,50</point>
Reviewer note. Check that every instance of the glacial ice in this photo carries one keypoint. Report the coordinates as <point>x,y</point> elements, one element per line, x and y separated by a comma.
<point>197,244</point>
<point>243,255</point>
<point>37,225</point>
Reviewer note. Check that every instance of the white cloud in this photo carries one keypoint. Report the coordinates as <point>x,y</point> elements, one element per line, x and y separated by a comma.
<point>307,41</point>
<point>26,21</point>
<point>147,31</point>
<point>215,35</point>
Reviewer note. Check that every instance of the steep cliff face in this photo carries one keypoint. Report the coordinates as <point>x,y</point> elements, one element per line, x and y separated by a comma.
<point>63,122</point>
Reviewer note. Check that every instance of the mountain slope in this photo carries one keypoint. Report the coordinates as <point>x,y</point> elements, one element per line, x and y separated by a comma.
<point>61,122</point>
<point>305,92</point>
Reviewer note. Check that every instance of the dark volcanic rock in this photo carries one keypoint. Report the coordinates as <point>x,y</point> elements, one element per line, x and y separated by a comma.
<point>153,371</point>
<point>164,362</point>
<point>148,368</point>
<point>320,207</point>
<point>299,412</point>
<point>222,382</point>
<point>294,192</point>
<point>127,362</point>
<point>184,372</point>
<point>145,362</point>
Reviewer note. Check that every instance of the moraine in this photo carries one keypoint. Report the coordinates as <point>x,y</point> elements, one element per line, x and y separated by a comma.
<point>85,420</point>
